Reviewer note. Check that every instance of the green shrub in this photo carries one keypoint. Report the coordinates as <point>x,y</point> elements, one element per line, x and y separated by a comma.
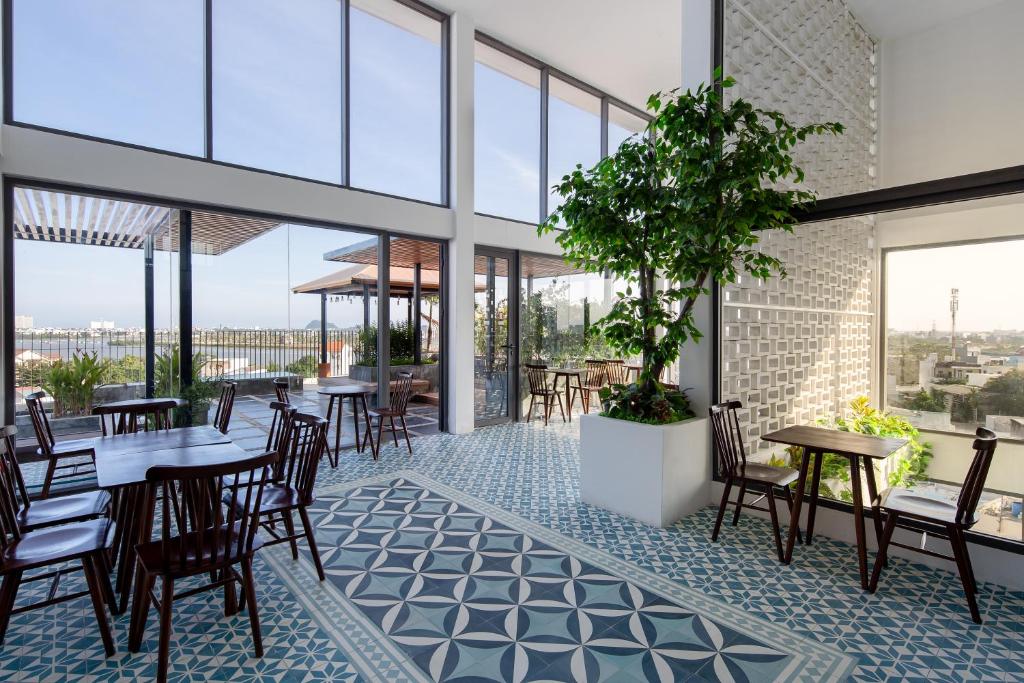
<point>71,383</point>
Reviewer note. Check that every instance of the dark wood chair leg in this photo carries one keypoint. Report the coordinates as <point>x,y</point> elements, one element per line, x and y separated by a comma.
<point>774,514</point>
<point>956,537</point>
<point>721,509</point>
<point>405,431</point>
<point>230,597</point>
<point>529,412</point>
<point>812,509</point>
<point>792,520</point>
<point>558,397</point>
<point>98,606</point>
<point>883,551</point>
<point>547,409</point>
<point>8,591</point>
<point>166,606</point>
<point>311,540</point>
<point>102,563</point>
<point>140,610</point>
<point>380,435</point>
<point>51,467</point>
<point>739,502</point>
<point>858,521</point>
<point>289,528</point>
<point>249,586</point>
<point>394,431</point>
<point>876,514</point>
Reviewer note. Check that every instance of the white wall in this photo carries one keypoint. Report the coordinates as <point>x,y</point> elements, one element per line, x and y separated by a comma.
<point>952,97</point>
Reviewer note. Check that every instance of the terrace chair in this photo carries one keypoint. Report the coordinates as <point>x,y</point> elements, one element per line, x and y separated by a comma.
<point>222,419</point>
<point>281,389</point>
<point>150,415</point>
<point>77,507</point>
<point>397,407</point>
<point>733,465</point>
<point>292,480</point>
<point>25,551</point>
<point>537,376</point>
<point>590,383</point>
<point>53,451</point>
<point>198,536</point>
<point>277,439</point>
<point>615,371</point>
<point>955,519</point>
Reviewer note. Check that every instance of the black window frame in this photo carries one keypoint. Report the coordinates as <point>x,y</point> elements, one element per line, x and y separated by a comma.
<point>343,18</point>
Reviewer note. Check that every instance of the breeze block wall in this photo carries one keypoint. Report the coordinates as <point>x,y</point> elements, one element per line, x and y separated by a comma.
<point>799,348</point>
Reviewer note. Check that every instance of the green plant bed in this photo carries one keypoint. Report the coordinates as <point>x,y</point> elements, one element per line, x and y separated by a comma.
<point>631,402</point>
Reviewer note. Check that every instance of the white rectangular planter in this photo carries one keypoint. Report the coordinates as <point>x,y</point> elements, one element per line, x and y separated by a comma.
<point>656,474</point>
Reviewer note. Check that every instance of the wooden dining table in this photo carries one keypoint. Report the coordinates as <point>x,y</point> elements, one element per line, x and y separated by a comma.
<point>121,465</point>
<point>568,374</point>
<point>357,393</point>
<point>858,449</point>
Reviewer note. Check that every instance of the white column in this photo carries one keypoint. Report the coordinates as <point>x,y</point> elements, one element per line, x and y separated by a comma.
<point>460,269</point>
<point>696,359</point>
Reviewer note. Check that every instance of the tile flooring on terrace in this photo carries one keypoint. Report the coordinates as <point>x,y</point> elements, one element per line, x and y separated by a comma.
<point>914,628</point>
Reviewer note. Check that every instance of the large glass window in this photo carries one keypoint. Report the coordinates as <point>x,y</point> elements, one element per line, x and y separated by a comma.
<point>395,90</point>
<point>574,133</point>
<point>277,86</point>
<point>507,136</point>
<point>126,71</point>
<point>621,125</point>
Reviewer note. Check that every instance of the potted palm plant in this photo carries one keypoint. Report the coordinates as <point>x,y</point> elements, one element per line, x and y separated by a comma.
<point>675,211</point>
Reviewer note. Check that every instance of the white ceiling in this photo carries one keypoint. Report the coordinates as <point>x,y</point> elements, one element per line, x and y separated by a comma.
<point>885,19</point>
<point>627,49</point>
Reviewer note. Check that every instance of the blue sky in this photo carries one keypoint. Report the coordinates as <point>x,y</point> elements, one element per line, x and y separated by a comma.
<point>134,72</point>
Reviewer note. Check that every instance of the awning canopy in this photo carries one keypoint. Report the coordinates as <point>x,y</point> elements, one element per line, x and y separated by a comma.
<point>43,215</point>
<point>352,279</point>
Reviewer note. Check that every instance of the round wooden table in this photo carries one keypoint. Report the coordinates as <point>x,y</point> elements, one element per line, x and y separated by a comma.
<point>357,393</point>
<point>568,374</point>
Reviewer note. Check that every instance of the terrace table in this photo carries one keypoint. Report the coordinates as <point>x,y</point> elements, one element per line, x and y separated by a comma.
<point>568,374</point>
<point>358,393</point>
<point>121,465</point>
<point>857,448</point>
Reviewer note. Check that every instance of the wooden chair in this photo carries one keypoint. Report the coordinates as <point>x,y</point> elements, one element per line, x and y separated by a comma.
<point>954,518</point>
<point>590,383</point>
<point>733,465</point>
<point>615,371</point>
<point>400,395</point>
<point>54,451</point>
<point>24,551</point>
<point>149,415</point>
<point>292,481</point>
<point>537,376</point>
<point>222,419</point>
<point>77,507</point>
<point>281,389</point>
<point>198,536</point>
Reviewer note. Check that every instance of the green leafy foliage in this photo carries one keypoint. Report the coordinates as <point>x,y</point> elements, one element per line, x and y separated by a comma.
<point>167,382</point>
<point>685,201</point>
<point>911,463</point>
<point>933,401</point>
<point>1003,395</point>
<point>71,383</point>
<point>304,366</point>
<point>631,402</point>
<point>402,344</point>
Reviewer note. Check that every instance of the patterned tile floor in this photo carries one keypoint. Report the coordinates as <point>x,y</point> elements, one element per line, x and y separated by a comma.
<point>915,628</point>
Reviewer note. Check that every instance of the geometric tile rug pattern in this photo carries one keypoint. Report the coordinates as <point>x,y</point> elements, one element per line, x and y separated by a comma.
<point>914,628</point>
<point>468,597</point>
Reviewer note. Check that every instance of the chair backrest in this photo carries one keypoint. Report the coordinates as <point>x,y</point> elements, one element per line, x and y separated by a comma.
<point>974,482</point>
<point>196,530</point>
<point>153,415</point>
<point>725,428</point>
<point>222,420</point>
<point>596,373</point>
<point>305,446</point>
<point>401,392</point>
<point>8,441</point>
<point>40,423</point>
<point>537,375</point>
<point>615,371</point>
<point>9,531</point>
<point>280,431</point>
<point>281,389</point>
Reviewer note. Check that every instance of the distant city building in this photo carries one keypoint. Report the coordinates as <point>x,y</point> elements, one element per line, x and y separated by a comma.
<point>23,322</point>
<point>101,325</point>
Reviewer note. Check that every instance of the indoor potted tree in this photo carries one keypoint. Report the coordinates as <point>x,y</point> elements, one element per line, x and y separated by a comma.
<point>672,212</point>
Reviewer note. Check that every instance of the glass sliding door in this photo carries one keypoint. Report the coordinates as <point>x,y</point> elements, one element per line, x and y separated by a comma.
<point>493,332</point>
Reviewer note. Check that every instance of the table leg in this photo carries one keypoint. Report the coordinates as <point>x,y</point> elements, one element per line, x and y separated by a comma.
<point>794,522</point>
<point>568,396</point>
<point>337,432</point>
<point>858,520</point>
<point>369,431</point>
<point>330,412</point>
<point>876,515</point>
<point>812,510</point>
<point>355,423</point>
<point>132,518</point>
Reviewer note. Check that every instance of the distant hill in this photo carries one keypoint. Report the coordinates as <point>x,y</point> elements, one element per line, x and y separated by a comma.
<point>315,325</point>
